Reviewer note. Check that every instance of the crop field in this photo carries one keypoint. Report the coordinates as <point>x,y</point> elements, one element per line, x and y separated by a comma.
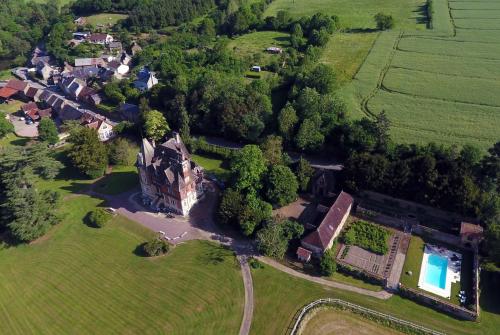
<point>83,280</point>
<point>439,85</point>
<point>357,14</point>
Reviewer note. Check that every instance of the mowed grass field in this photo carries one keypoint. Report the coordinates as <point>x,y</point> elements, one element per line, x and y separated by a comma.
<point>438,85</point>
<point>356,14</point>
<point>331,321</point>
<point>82,280</point>
<point>279,296</point>
<point>253,46</point>
<point>105,19</point>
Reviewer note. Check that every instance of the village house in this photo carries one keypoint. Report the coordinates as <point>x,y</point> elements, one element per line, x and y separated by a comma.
<point>169,178</point>
<point>115,47</point>
<point>34,93</point>
<point>81,35</point>
<point>145,80</point>
<point>321,239</point>
<point>98,38</point>
<point>88,62</point>
<point>13,88</point>
<point>102,125</point>
<point>274,50</point>
<point>81,21</point>
<point>135,49</point>
<point>118,68</point>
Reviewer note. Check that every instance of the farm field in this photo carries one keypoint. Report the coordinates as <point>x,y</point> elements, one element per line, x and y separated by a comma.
<point>356,13</point>
<point>330,321</point>
<point>253,46</point>
<point>438,85</point>
<point>279,296</point>
<point>88,280</point>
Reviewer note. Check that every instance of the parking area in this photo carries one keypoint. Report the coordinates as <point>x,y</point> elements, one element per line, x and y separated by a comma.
<point>21,128</point>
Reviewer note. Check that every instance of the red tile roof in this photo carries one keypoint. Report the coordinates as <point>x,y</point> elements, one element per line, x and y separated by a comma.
<point>303,253</point>
<point>323,235</point>
<point>33,114</point>
<point>29,106</point>
<point>470,229</point>
<point>7,92</point>
<point>16,84</point>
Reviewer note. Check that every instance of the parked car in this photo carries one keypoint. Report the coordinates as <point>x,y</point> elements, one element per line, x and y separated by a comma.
<point>29,122</point>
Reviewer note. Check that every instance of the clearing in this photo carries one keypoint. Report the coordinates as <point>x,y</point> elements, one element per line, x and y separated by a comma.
<point>90,280</point>
<point>253,46</point>
<point>331,321</point>
<point>105,19</point>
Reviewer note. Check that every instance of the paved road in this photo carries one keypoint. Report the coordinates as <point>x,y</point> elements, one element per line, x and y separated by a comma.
<point>376,294</point>
<point>246,323</point>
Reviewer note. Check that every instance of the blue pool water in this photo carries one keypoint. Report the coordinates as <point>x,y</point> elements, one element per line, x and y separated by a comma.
<point>436,271</point>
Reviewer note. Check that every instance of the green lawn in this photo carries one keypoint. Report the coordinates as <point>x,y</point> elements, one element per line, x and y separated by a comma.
<point>6,74</point>
<point>12,107</point>
<point>355,13</point>
<point>253,46</point>
<point>120,180</point>
<point>278,297</point>
<point>105,19</point>
<point>85,280</point>
<point>212,165</point>
<point>11,140</point>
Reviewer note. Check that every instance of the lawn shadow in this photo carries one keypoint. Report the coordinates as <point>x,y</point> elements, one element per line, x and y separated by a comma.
<point>20,141</point>
<point>282,39</point>
<point>490,295</point>
<point>139,250</point>
<point>422,15</point>
<point>360,30</point>
<point>217,254</point>
<point>117,182</point>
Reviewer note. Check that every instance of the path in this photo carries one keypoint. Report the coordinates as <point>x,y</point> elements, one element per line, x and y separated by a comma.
<point>246,323</point>
<point>376,294</point>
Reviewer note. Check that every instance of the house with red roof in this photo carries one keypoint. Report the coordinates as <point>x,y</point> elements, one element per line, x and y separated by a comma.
<point>321,239</point>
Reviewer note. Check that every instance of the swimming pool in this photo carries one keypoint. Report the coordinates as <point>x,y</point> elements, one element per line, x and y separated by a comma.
<point>435,273</point>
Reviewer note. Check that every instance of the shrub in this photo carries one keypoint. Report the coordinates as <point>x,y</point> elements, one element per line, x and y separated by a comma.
<point>5,126</point>
<point>47,131</point>
<point>367,236</point>
<point>327,265</point>
<point>99,217</point>
<point>384,21</point>
<point>121,152</point>
<point>156,247</point>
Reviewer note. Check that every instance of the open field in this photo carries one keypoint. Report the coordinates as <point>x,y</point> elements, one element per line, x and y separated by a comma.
<point>358,13</point>
<point>12,107</point>
<point>279,296</point>
<point>105,19</point>
<point>84,280</point>
<point>253,46</point>
<point>330,321</point>
<point>439,85</point>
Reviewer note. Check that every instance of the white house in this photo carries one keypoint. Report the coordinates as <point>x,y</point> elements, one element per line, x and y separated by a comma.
<point>145,80</point>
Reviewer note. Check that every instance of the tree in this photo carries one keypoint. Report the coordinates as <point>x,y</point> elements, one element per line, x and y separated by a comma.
<point>327,265</point>
<point>270,240</point>
<point>292,230</point>
<point>287,121</point>
<point>247,167</point>
<point>272,149</point>
<point>156,247</point>
<point>121,152</point>
<point>384,21</point>
<point>230,207</point>
<point>99,217</point>
<point>309,136</point>
<point>493,242</point>
<point>5,126</point>
<point>319,37</point>
<point>382,127</point>
<point>304,174</point>
<point>281,186</point>
<point>155,125</point>
<point>88,154</point>
<point>47,131</point>
<point>253,213</point>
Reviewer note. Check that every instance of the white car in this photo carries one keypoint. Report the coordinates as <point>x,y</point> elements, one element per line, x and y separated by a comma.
<point>21,119</point>
<point>161,232</point>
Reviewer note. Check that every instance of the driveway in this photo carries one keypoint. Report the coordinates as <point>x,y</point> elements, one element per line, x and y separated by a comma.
<point>22,129</point>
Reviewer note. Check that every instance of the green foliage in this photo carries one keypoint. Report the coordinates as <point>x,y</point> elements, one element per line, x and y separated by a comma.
<point>287,121</point>
<point>155,125</point>
<point>122,152</point>
<point>253,213</point>
<point>304,174</point>
<point>88,154</point>
<point>367,236</point>
<point>493,242</point>
<point>272,149</point>
<point>98,218</point>
<point>47,131</point>
<point>156,247</point>
<point>230,207</point>
<point>327,264</point>
<point>281,185</point>
<point>5,126</point>
<point>271,242</point>
<point>384,21</point>
<point>248,166</point>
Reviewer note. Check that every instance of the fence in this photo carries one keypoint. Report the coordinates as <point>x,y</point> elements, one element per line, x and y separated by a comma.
<point>362,310</point>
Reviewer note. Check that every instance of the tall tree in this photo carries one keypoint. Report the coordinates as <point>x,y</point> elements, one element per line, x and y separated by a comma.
<point>5,126</point>
<point>287,121</point>
<point>47,131</point>
<point>304,174</point>
<point>272,149</point>
<point>155,125</point>
<point>247,167</point>
<point>281,186</point>
<point>87,153</point>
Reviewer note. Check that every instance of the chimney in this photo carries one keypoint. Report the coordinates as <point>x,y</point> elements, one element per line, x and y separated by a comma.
<point>177,137</point>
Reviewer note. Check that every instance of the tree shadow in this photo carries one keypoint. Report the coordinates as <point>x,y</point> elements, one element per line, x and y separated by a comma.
<point>139,250</point>
<point>360,30</point>
<point>422,15</point>
<point>490,295</point>
<point>218,254</point>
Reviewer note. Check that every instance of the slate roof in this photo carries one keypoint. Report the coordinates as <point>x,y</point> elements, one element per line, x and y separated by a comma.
<point>32,92</point>
<point>323,235</point>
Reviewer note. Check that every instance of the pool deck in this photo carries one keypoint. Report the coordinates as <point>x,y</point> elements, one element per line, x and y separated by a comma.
<point>452,270</point>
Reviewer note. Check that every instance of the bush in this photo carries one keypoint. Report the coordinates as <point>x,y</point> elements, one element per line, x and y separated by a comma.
<point>121,152</point>
<point>156,247</point>
<point>367,236</point>
<point>327,265</point>
<point>47,131</point>
<point>5,126</point>
<point>99,217</point>
<point>384,21</point>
